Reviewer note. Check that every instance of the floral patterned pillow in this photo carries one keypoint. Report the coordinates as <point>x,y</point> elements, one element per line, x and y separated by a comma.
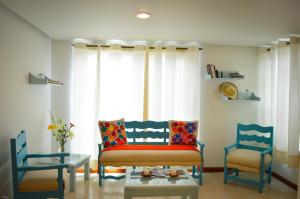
<point>113,132</point>
<point>183,132</point>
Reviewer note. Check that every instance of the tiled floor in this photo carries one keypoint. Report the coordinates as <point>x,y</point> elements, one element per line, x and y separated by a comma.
<point>212,188</point>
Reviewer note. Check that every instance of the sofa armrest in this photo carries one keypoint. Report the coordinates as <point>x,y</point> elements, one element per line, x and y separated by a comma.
<point>100,147</point>
<point>201,145</point>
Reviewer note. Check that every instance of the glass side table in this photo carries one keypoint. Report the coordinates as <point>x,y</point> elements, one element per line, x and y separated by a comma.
<point>74,161</point>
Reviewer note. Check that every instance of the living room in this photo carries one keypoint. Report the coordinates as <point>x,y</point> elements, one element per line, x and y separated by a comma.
<point>73,72</point>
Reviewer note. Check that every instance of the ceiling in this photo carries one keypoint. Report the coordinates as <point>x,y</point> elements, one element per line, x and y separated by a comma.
<point>230,22</point>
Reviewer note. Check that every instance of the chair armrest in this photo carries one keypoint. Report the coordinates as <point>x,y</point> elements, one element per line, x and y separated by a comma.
<point>47,155</point>
<point>60,155</point>
<point>268,150</point>
<point>37,168</point>
<point>227,148</point>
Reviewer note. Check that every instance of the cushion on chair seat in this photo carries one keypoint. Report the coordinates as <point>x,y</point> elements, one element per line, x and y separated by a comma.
<point>150,158</point>
<point>246,160</point>
<point>38,181</point>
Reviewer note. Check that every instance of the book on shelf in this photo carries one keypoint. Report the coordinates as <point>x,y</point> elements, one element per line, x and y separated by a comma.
<point>213,70</point>
<point>208,69</point>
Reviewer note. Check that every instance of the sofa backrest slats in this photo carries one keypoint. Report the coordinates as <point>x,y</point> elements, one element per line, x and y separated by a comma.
<point>147,129</point>
<point>149,143</point>
<point>147,134</point>
<point>146,124</point>
<point>133,133</point>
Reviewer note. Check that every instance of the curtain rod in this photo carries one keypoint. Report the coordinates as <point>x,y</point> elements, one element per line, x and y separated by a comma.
<point>287,43</point>
<point>131,47</point>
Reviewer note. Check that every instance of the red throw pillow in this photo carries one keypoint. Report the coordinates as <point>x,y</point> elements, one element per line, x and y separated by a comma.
<point>113,132</point>
<point>183,132</point>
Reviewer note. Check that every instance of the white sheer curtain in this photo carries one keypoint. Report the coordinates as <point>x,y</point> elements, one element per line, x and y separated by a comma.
<point>121,85</point>
<point>84,101</point>
<point>280,91</point>
<point>107,85</point>
<point>174,84</point>
<point>294,98</point>
<point>135,84</point>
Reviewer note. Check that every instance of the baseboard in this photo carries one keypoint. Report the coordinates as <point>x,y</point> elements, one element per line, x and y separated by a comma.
<point>213,169</point>
<point>274,174</point>
<point>285,181</point>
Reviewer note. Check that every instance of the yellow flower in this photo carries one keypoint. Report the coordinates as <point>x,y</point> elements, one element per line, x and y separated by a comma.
<point>52,127</point>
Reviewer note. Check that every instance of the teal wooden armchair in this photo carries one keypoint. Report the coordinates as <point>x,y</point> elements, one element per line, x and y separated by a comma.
<point>35,181</point>
<point>250,158</point>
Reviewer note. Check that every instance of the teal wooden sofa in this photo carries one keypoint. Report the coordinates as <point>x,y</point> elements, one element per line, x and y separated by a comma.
<point>35,181</point>
<point>242,156</point>
<point>136,133</point>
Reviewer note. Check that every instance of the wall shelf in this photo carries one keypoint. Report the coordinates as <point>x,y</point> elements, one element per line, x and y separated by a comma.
<point>42,79</point>
<point>243,96</point>
<point>208,77</point>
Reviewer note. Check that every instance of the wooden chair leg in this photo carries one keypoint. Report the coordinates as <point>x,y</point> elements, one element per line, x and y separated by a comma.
<point>270,174</point>
<point>261,181</point>
<point>225,172</point>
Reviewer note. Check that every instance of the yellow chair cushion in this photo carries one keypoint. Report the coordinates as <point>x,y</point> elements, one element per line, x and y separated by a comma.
<point>150,158</point>
<point>38,181</point>
<point>246,160</point>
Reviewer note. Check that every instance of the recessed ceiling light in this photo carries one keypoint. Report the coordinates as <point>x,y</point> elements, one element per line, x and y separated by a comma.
<point>143,15</point>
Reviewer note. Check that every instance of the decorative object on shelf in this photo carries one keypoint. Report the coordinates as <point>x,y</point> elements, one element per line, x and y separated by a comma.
<point>247,96</point>
<point>61,131</point>
<point>42,79</point>
<point>213,73</point>
<point>229,90</point>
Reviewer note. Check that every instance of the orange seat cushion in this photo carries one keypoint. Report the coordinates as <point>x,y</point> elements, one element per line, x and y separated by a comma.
<point>39,181</point>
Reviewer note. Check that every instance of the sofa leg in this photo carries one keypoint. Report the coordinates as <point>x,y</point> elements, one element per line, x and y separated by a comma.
<point>193,171</point>
<point>201,174</point>
<point>100,174</point>
<point>237,172</point>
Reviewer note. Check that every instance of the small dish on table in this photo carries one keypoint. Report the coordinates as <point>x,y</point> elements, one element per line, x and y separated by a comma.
<point>174,173</point>
<point>146,173</point>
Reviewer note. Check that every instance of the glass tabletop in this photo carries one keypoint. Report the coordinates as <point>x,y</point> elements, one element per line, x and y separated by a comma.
<point>72,159</point>
<point>134,178</point>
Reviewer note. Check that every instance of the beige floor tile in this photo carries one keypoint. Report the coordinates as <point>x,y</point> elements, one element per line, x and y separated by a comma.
<point>212,188</point>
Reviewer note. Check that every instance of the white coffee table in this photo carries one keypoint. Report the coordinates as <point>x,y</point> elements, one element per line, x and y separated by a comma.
<point>138,186</point>
<point>74,161</point>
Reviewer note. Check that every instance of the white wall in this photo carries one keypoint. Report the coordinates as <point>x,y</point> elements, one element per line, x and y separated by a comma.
<point>23,49</point>
<point>219,118</point>
<point>61,70</point>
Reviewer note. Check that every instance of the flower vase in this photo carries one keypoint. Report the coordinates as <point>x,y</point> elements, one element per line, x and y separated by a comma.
<point>62,148</point>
